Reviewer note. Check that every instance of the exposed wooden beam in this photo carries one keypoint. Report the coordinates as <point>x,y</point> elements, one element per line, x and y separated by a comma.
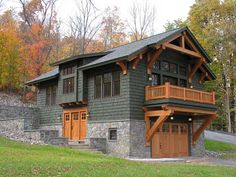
<point>187,110</point>
<point>194,69</point>
<point>132,57</point>
<point>135,62</point>
<point>153,59</point>
<point>173,38</point>
<point>162,117</point>
<point>147,126</point>
<point>182,50</point>
<point>190,43</point>
<point>202,77</point>
<point>123,66</point>
<point>182,41</point>
<point>204,125</point>
<point>204,71</point>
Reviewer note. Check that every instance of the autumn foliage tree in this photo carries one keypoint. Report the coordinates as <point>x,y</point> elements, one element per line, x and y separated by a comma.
<point>10,61</point>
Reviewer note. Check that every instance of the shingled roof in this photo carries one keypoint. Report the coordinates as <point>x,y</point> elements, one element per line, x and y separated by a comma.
<point>132,48</point>
<point>46,76</point>
<point>123,52</point>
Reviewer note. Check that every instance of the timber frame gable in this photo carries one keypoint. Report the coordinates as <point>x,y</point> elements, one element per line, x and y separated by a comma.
<point>182,42</point>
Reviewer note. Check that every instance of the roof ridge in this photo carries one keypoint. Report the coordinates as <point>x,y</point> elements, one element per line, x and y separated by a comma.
<point>145,38</point>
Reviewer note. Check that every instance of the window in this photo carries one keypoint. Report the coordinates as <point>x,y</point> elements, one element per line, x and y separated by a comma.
<point>69,70</point>
<point>68,85</point>
<point>51,95</point>
<point>116,83</point>
<point>67,117</point>
<point>171,80</point>
<point>165,66</point>
<point>165,128</point>
<point>156,65</point>
<point>112,134</point>
<point>107,85</point>
<point>76,116</point>
<point>182,83</point>
<point>98,86</point>
<point>173,68</point>
<point>84,116</point>
<point>156,79</point>
<point>182,70</point>
<point>175,128</point>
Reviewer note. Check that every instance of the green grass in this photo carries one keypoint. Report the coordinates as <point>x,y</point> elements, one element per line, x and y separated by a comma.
<point>228,150</point>
<point>18,159</point>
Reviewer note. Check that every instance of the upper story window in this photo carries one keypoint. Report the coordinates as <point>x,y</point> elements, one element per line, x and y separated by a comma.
<point>165,66</point>
<point>107,85</point>
<point>156,79</point>
<point>173,68</point>
<point>156,65</point>
<point>68,70</point>
<point>182,70</point>
<point>171,80</point>
<point>51,92</point>
<point>68,85</point>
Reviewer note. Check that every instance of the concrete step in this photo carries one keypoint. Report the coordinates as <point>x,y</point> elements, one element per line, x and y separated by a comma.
<point>71,142</point>
<point>84,147</point>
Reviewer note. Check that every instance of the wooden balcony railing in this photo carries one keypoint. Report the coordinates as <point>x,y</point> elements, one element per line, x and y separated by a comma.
<point>181,93</point>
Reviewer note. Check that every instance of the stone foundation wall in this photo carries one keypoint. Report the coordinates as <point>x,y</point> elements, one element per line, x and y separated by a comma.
<point>137,140</point>
<point>57,127</point>
<point>119,147</point>
<point>14,129</point>
<point>197,149</point>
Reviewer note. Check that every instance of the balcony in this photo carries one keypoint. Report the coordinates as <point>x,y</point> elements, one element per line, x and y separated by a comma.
<point>180,93</point>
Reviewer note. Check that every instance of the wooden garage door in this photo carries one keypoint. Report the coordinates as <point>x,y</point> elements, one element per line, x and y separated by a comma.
<point>171,140</point>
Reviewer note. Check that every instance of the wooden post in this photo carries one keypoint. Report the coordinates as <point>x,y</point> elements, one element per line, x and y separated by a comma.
<point>167,87</point>
<point>213,99</point>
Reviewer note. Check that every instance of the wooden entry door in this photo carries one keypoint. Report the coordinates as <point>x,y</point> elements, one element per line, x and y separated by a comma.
<point>75,122</point>
<point>171,140</point>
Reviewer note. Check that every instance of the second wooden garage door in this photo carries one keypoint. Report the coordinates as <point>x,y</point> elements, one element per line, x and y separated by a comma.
<point>171,140</point>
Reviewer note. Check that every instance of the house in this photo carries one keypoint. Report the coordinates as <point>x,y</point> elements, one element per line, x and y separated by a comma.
<point>142,99</point>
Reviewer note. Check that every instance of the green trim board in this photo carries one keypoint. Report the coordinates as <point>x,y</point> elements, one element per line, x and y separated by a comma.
<point>179,103</point>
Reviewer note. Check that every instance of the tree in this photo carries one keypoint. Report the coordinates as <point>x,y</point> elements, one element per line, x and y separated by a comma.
<point>175,24</point>
<point>84,26</point>
<point>142,17</point>
<point>39,32</point>
<point>113,29</point>
<point>10,61</point>
<point>214,22</point>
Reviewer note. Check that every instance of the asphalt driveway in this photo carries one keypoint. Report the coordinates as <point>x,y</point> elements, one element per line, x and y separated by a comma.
<point>222,137</point>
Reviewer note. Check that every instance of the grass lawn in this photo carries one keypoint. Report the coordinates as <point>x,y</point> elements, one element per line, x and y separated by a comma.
<point>18,159</point>
<point>228,150</point>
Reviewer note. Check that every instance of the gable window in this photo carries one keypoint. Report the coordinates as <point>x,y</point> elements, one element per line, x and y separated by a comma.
<point>51,95</point>
<point>156,65</point>
<point>165,66</point>
<point>182,70</point>
<point>68,70</point>
<point>173,68</point>
<point>68,85</point>
<point>116,83</point>
<point>98,86</point>
<point>156,79</point>
<point>112,134</point>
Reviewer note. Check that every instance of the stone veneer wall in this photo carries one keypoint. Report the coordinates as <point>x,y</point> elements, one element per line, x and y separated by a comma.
<point>130,137</point>
<point>99,129</point>
<point>55,126</point>
<point>197,149</point>
<point>137,140</point>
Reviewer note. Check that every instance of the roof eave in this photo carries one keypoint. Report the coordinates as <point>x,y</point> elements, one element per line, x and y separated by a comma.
<point>41,80</point>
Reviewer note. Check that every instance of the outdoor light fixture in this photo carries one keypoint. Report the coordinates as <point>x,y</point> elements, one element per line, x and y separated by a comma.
<point>87,115</point>
<point>171,118</point>
<point>191,86</point>
<point>189,119</point>
<point>150,78</point>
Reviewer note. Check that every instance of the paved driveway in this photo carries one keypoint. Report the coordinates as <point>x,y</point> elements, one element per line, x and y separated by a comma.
<point>222,137</point>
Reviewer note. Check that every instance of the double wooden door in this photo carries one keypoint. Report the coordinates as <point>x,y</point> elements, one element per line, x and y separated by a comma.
<point>75,123</point>
<point>171,140</point>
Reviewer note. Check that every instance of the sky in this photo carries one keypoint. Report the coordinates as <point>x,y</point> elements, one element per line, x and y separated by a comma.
<point>166,10</point>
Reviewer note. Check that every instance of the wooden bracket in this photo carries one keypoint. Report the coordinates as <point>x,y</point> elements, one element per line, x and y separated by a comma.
<point>195,68</point>
<point>153,59</point>
<point>204,74</point>
<point>162,116</point>
<point>207,75</point>
<point>123,66</point>
<point>205,124</point>
<point>136,61</point>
